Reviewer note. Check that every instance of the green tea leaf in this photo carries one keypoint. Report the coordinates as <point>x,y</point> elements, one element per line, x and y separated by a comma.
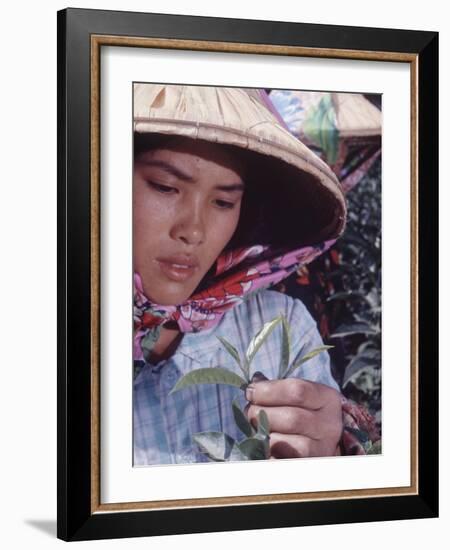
<point>216,445</point>
<point>210,375</point>
<point>263,423</point>
<point>237,454</point>
<point>305,358</point>
<point>252,448</point>
<point>266,443</point>
<point>285,348</point>
<point>258,340</point>
<point>241,420</point>
<point>233,352</point>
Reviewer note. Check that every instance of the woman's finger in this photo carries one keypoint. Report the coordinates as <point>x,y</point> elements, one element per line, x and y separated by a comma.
<point>287,420</point>
<point>292,446</point>
<point>293,392</point>
<point>299,446</point>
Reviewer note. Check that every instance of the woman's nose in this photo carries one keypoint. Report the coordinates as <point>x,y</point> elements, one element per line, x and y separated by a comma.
<point>189,228</point>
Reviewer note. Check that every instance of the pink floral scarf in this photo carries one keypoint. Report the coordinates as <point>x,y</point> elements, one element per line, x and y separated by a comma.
<point>261,267</point>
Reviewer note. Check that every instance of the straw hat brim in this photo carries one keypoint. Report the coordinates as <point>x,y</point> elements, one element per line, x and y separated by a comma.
<point>311,195</point>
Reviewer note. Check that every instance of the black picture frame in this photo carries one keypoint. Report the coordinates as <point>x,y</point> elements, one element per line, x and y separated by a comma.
<point>79,515</point>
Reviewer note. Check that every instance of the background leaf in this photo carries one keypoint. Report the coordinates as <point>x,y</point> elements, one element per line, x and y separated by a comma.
<point>361,435</point>
<point>367,379</point>
<point>354,328</point>
<point>368,358</point>
<point>347,295</point>
<point>375,449</point>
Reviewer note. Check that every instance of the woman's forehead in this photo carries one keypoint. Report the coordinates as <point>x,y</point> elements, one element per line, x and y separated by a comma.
<point>188,156</point>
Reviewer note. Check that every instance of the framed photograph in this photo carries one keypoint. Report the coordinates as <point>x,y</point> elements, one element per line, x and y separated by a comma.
<point>247,274</point>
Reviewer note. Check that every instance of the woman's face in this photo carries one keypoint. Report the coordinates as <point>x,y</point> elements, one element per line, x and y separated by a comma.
<point>186,199</point>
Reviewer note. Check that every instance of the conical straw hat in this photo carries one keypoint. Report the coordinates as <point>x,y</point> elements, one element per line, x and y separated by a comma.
<point>313,201</point>
<point>356,116</point>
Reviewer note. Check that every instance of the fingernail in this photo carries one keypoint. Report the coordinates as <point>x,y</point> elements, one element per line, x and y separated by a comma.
<point>258,377</point>
<point>249,392</point>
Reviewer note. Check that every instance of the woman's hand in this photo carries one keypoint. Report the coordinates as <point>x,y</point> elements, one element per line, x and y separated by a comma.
<point>305,417</point>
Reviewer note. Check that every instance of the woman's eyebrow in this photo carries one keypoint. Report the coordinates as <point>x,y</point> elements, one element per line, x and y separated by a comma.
<point>170,168</point>
<point>231,187</point>
<point>175,171</point>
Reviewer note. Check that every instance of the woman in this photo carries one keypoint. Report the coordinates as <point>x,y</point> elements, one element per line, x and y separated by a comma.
<point>226,203</point>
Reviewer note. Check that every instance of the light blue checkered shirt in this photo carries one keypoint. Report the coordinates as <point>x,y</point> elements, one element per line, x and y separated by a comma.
<point>164,425</point>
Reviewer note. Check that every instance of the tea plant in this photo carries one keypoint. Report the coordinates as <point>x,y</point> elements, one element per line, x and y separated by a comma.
<point>219,446</point>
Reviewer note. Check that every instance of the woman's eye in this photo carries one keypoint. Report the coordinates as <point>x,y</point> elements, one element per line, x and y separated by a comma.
<point>161,188</point>
<point>225,204</point>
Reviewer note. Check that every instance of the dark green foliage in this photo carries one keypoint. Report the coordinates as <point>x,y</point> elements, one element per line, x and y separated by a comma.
<point>357,302</point>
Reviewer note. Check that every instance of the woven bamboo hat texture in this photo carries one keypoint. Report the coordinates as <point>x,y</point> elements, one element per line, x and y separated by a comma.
<point>304,200</point>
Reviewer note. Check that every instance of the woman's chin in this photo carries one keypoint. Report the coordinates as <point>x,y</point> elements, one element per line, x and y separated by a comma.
<point>169,298</point>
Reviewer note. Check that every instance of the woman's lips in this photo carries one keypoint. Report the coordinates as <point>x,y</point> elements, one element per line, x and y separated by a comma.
<point>176,271</point>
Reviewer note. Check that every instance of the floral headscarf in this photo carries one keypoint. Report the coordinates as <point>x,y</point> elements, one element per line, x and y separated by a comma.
<point>258,267</point>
